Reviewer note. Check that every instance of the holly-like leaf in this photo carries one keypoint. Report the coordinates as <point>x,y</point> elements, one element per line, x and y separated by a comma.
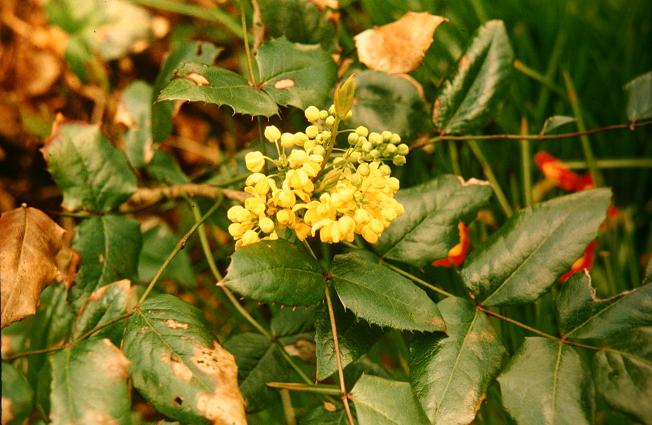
<point>105,304</point>
<point>295,74</point>
<point>276,271</point>
<point>385,101</point>
<point>356,337</point>
<point>204,83</point>
<point>639,97</point>
<point>536,246</point>
<point>135,113</point>
<point>380,401</point>
<point>623,373</point>
<point>398,47</point>
<point>547,383</point>
<point>555,122</point>
<point>184,52</point>
<point>300,21</point>
<point>582,316</point>
<point>427,230</point>
<point>383,297</point>
<point>179,367</point>
<point>109,246</point>
<point>89,384</point>
<point>450,375</point>
<point>259,361</point>
<point>158,243</point>
<point>91,173</point>
<point>293,321</point>
<point>165,168</point>
<point>30,244</point>
<point>17,396</point>
<point>470,99</point>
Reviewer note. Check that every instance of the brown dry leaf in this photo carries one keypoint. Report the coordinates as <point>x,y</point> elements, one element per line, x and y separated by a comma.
<point>399,47</point>
<point>30,244</point>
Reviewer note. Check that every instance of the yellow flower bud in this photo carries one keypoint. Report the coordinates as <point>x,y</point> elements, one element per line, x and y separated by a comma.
<point>254,161</point>
<point>312,113</point>
<point>236,230</point>
<point>287,140</point>
<point>272,133</point>
<point>312,131</point>
<point>250,237</point>
<point>362,131</point>
<point>266,224</point>
<point>368,234</point>
<point>234,212</point>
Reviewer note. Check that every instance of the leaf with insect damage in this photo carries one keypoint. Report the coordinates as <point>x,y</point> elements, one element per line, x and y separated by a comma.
<point>31,242</point>
<point>178,365</point>
<point>398,47</point>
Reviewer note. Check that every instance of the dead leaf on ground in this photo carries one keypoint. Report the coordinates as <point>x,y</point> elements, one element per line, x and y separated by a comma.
<point>30,244</point>
<point>398,47</point>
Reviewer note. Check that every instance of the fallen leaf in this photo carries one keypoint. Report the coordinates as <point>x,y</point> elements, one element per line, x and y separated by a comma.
<point>398,47</point>
<point>31,242</point>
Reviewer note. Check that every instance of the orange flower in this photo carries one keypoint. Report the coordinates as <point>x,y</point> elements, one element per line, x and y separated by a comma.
<point>555,170</point>
<point>457,254</point>
<point>583,263</point>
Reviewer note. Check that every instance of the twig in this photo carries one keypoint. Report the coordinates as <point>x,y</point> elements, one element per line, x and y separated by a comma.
<point>441,138</point>
<point>340,370</point>
<point>148,196</point>
<point>308,388</point>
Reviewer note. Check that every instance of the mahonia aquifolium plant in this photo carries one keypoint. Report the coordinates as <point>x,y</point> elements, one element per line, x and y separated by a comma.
<point>316,187</point>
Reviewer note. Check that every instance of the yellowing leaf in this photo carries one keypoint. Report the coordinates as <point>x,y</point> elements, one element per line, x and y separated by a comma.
<point>30,243</point>
<point>399,47</point>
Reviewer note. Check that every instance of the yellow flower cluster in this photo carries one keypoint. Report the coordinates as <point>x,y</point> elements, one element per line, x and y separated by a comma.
<point>316,188</point>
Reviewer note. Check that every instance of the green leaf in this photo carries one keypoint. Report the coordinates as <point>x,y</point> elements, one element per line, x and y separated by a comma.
<point>555,122</point>
<point>109,246</point>
<point>470,99</point>
<point>623,373</point>
<point>89,384</point>
<point>158,243</point>
<point>91,173</point>
<point>427,230</point>
<point>17,396</point>
<point>276,271</point>
<point>178,366</point>
<point>259,361</point>
<point>639,97</point>
<point>356,337</point>
<point>184,52</point>
<point>105,304</point>
<point>299,21</point>
<point>582,316</point>
<point>203,83</point>
<point>380,401</point>
<point>547,383</point>
<point>291,321</point>
<point>450,375</point>
<point>386,102</point>
<point>296,74</point>
<point>528,254</point>
<point>382,296</point>
<point>165,168</point>
<point>135,112</point>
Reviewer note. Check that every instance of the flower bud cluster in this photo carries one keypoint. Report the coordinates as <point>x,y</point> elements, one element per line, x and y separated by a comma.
<point>316,188</point>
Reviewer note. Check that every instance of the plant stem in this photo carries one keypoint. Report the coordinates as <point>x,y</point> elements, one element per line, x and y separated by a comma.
<point>203,239</point>
<point>526,164</point>
<point>286,401</point>
<point>489,173</point>
<point>340,370</point>
<point>586,145</point>
<point>182,8</point>
<point>180,245</point>
<point>455,158</point>
<point>626,126</point>
<point>612,163</point>
<point>250,62</point>
<point>535,75</point>
<point>308,388</point>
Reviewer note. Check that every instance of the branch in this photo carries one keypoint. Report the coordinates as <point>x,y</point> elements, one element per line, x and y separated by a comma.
<point>149,196</point>
<point>441,138</point>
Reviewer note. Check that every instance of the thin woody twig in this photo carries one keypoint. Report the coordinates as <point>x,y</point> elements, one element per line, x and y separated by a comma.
<point>148,196</point>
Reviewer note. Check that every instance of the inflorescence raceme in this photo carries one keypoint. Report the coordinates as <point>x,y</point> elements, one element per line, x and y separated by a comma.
<point>317,188</point>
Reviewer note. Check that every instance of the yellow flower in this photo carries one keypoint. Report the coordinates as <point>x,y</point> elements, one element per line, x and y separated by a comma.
<point>272,133</point>
<point>255,161</point>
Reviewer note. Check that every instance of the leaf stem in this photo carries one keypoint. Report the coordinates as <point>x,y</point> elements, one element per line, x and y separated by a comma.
<point>308,388</point>
<point>535,75</point>
<point>179,246</point>
<point>626,126</point>
<point>526,164</point>
<point>612,163</point>
<point>489,173</point>
<point>250,62</point>
<point>340,370</point>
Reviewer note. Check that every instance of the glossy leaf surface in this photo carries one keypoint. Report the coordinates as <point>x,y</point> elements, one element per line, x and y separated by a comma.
<point>382,297</point>
<point>105,304</point>
<point>450,375</point>
<point>276,271</point>
<point>527,255</point>
<point>427,230</point>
